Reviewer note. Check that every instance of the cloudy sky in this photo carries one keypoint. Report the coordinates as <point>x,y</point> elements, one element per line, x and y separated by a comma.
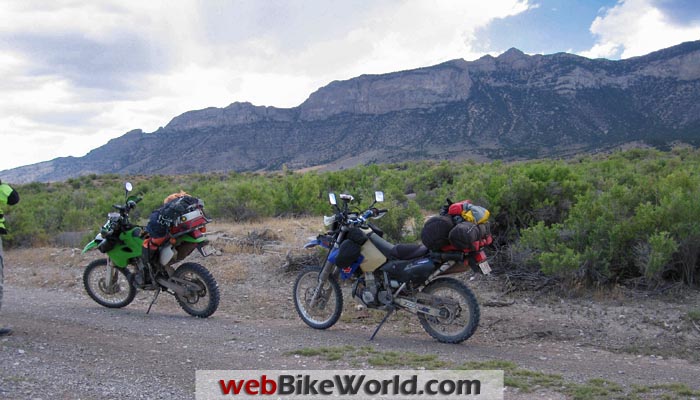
<point>74,73</point>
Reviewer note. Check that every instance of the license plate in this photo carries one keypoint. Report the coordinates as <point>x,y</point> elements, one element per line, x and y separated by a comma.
<point>207,250</point>
<point>485,267</point>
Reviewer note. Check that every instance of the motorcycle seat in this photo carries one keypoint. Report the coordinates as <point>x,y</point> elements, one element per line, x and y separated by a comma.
<point>398,251</point>
<point>408,251</point>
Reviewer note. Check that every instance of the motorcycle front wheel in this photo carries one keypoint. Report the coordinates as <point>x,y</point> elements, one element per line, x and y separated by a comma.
<point>329,302</point>
<point>117,295</point>
<point>459,311</point>
<point>202,298</point>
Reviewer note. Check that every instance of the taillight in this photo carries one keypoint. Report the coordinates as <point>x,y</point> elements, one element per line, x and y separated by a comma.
<point>480,257</point>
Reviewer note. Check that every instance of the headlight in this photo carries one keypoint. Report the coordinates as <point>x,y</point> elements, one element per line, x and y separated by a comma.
<point>328,221</point>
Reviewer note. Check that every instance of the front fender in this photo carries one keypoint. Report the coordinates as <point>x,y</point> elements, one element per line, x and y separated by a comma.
<point>324,241</point>
<point>93,244</point>
<point>312,243</point>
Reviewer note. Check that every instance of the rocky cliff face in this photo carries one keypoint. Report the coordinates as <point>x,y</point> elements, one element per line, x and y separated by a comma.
<point>513,106</point>
<point>381,94</point>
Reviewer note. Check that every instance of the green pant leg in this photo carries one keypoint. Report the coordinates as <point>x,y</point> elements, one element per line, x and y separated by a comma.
<point>2,276</point>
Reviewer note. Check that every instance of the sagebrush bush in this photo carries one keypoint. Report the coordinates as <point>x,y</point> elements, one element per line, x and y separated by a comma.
<point>599,219</point>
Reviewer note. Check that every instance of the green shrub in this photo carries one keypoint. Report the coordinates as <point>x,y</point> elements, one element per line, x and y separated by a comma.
<point>611,218</point>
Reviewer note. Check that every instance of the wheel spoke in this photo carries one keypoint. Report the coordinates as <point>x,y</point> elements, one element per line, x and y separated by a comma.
<point>458,309</point>
<point>118,294</point>
<point>200,302</point>
<point>327,305</point>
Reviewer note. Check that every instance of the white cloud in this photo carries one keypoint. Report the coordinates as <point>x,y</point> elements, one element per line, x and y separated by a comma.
<point>76,74</point>
<point>637,27</point>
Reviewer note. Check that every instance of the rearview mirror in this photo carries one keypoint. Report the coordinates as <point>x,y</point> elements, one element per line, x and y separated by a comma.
<point>331,198</point>
<point>378,197</point>
<point>128,186</point>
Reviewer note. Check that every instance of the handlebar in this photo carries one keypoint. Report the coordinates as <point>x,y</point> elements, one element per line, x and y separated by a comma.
<point>130,204</point>
<point>348,217</point>
<point>362,218</point>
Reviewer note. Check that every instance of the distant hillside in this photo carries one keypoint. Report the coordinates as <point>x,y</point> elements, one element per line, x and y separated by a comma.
<point>513,106</point>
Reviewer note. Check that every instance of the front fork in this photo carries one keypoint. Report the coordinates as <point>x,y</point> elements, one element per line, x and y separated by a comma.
<point>110,277</point>
<point>329,269</point>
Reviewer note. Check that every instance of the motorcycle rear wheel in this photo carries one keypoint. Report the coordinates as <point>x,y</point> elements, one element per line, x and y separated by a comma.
<point>203,302</point>
<point>326,312</point>
<point>459,306</point>
<point>120,294</point>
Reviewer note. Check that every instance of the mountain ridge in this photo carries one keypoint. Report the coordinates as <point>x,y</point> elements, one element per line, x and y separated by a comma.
<point>513,106</point>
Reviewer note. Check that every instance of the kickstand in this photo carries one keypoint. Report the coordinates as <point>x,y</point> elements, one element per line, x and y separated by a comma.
<point>388,313</point>
<point>155,297</point>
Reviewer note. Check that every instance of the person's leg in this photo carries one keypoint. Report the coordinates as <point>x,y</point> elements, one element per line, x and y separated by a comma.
<point>1,272</point>
<point>3,331</point>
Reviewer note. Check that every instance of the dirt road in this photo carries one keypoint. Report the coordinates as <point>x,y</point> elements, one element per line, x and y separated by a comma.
<point>66,346</point>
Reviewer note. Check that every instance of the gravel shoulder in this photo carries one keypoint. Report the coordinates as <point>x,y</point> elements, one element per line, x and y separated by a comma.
<point>66,346</point>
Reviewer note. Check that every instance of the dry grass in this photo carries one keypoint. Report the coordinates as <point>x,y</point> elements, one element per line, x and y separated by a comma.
<point>249,266</point>
<point>245,251</point>
<point>46,267</point>
<point>255,284</point>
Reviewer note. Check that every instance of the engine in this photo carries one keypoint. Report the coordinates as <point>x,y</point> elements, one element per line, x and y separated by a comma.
<point>371,292</point>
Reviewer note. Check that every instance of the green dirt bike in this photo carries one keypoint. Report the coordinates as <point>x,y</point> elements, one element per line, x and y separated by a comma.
<point>112,281</point>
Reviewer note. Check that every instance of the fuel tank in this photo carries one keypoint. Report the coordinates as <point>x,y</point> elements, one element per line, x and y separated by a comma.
<point>373,257</point>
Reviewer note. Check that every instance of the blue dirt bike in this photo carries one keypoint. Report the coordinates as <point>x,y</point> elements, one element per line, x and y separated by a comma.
<point>387,277</point>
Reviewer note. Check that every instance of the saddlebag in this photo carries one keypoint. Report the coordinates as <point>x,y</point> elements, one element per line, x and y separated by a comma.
<point>351,248</point>
<point>348,252</point>
<point>155,227</point>
<point>177,215</point>
<point>190,220</point>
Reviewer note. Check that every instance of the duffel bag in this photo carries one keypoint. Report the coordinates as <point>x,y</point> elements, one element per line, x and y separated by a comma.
<point>465,236</point>
<point>466,211</point>
<point>436,231</point>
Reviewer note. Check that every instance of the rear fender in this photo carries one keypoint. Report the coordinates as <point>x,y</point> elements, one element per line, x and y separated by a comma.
<point>189,241</point>
<point>190,238</point>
